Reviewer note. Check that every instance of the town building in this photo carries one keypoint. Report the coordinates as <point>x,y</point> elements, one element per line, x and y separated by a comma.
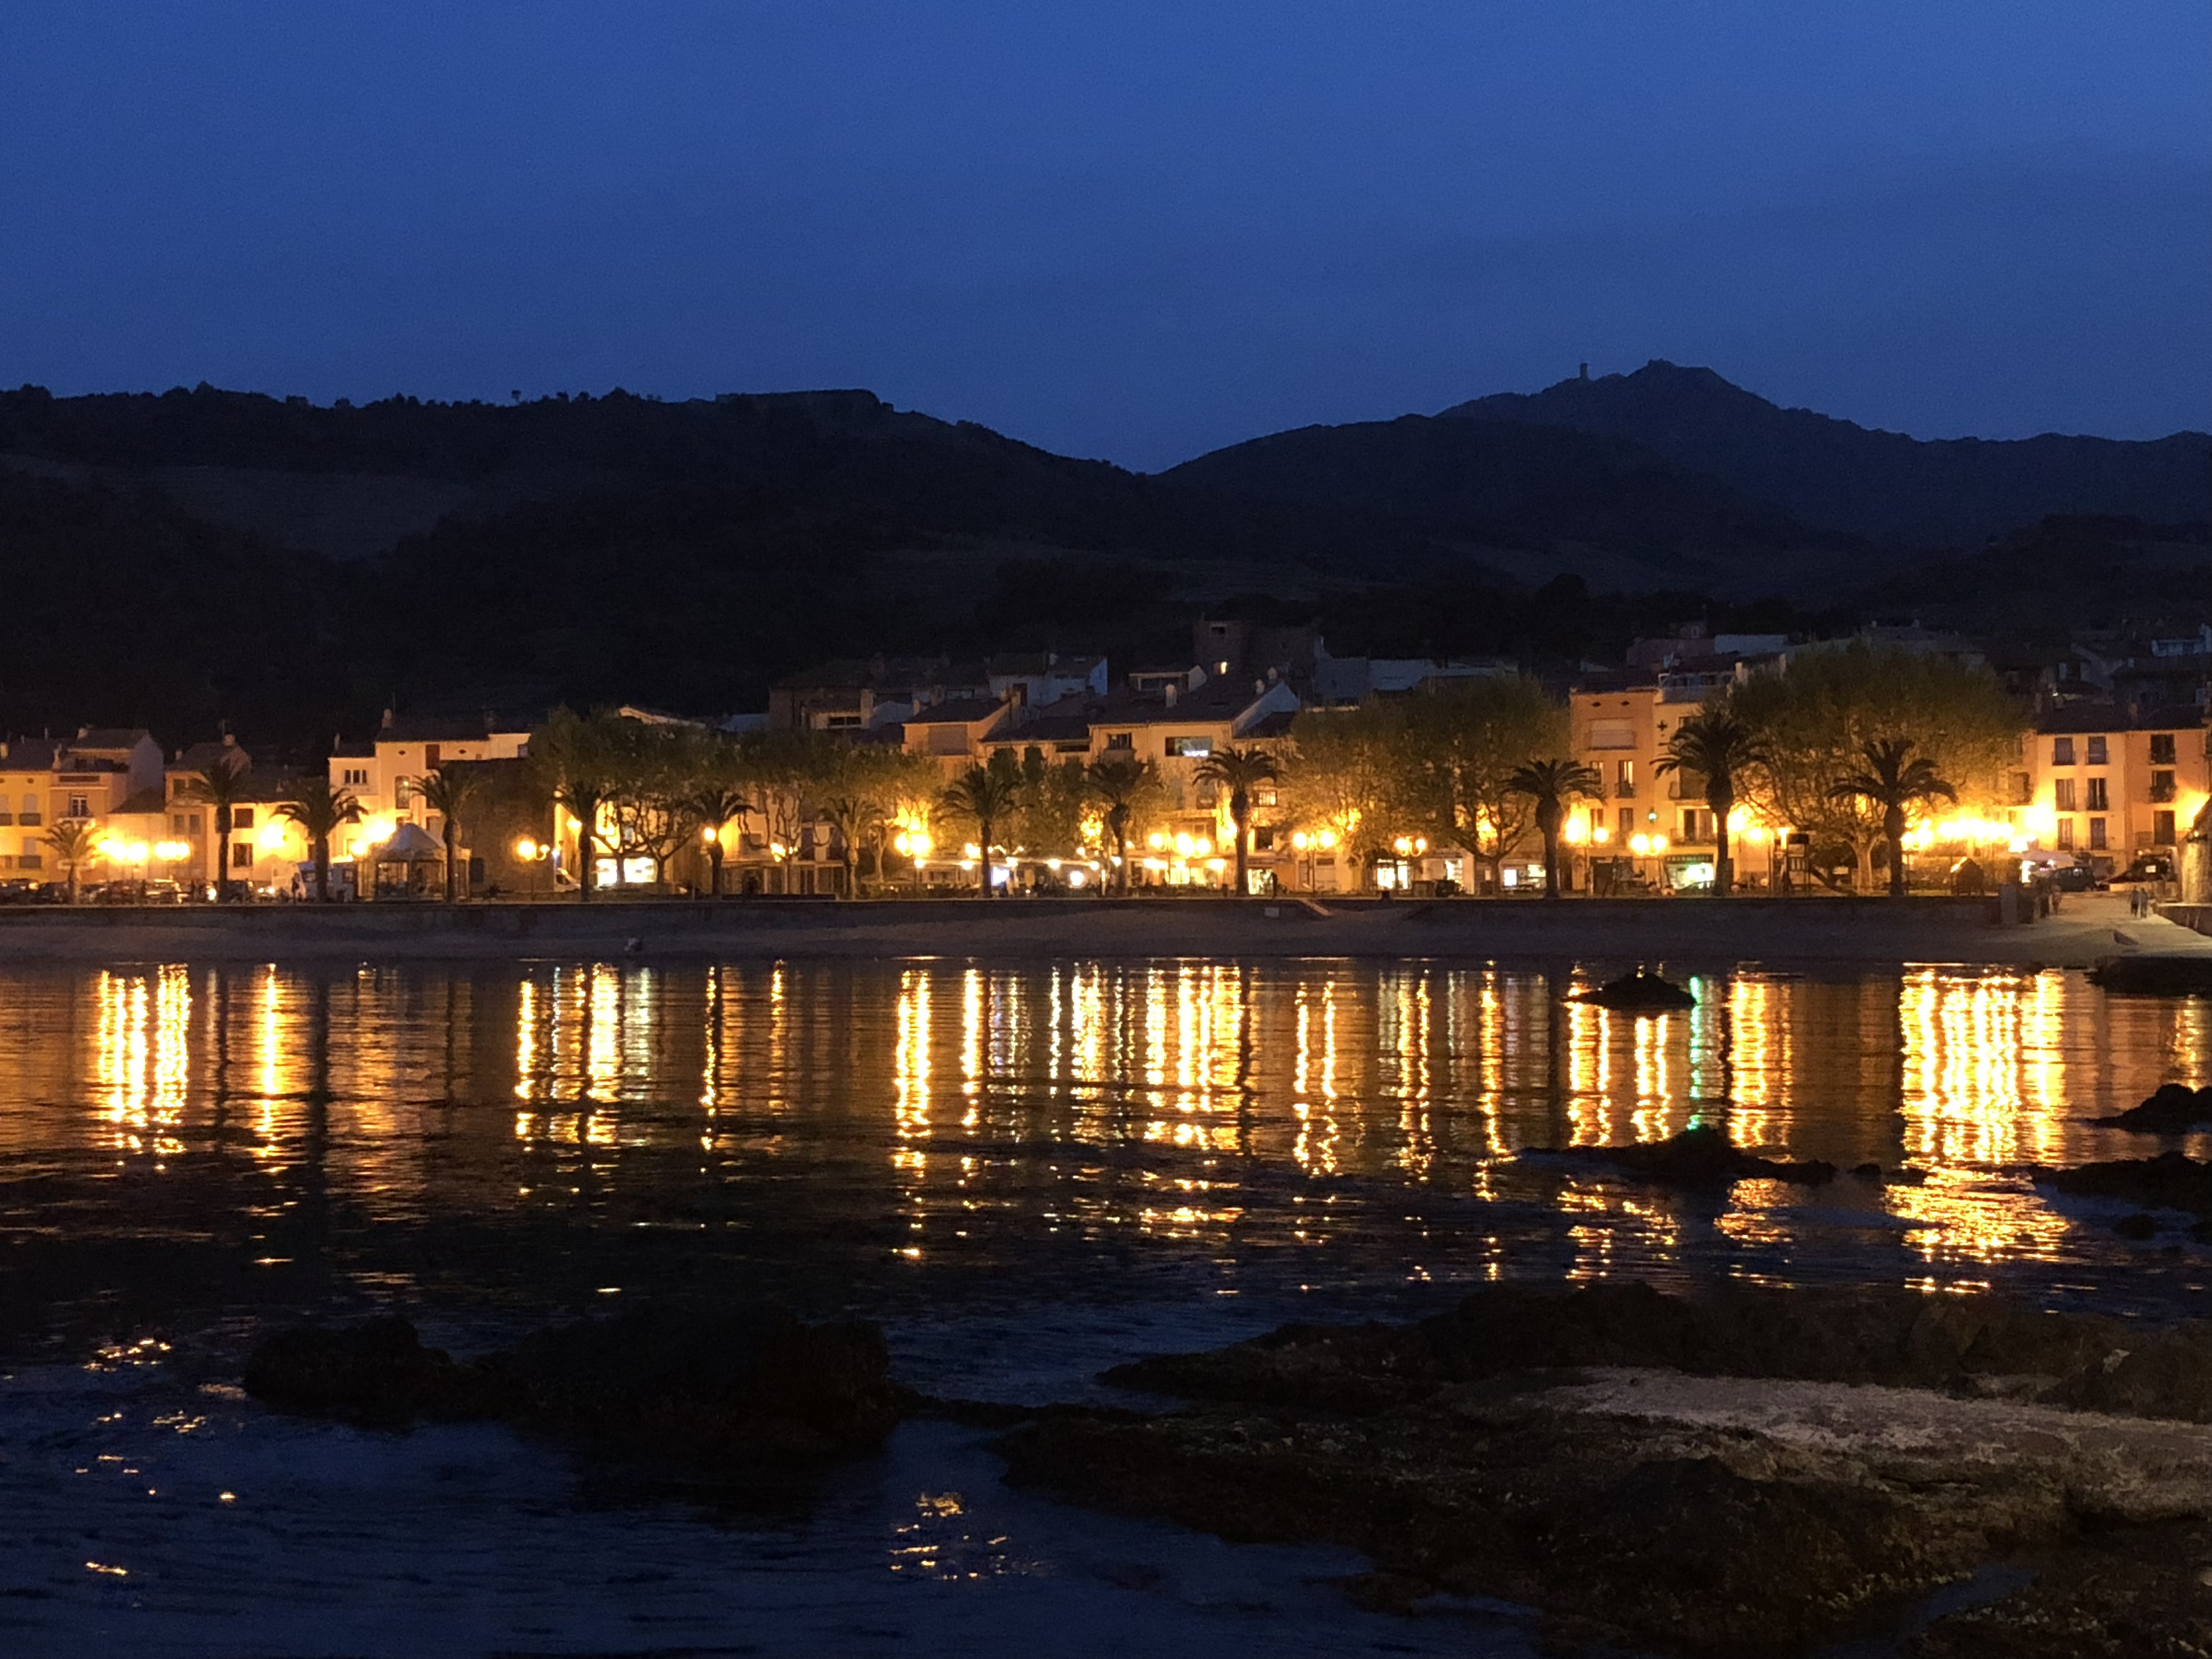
<point>47,781</point>
<point>2109,782</point>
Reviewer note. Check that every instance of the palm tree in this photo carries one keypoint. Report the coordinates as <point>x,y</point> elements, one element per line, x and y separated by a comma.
<point>447,792</point>
<point>1551,784</point>
<point>714,805</point>
<point>1237,770</point>
<point>850,817</point>
<point>71,840</point>
<point>221,787</point>
<point>580,762</point>
<point>1715,746</point>
<point>1894,779</point>
<point>1118,782</point>
<point>320,811</point>
<point>986,795</point>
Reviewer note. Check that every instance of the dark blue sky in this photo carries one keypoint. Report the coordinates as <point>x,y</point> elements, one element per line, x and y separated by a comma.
<point>1133,230</point>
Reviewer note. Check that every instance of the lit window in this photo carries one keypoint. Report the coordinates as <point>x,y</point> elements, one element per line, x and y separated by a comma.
<point>2098,801</point>
<point>2096,751</point>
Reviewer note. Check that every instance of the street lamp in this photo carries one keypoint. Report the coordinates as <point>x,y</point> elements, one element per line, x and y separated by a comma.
<point>534,852</point>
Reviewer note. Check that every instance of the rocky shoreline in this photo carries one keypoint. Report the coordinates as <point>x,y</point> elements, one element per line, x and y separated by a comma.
<point>1755,1473</point>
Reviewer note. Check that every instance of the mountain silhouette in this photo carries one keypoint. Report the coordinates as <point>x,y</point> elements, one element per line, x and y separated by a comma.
<point>1926,493</point>
<point>1575,498</point>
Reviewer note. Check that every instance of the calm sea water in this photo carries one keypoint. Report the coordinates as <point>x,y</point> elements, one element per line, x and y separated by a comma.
<point>1028,1172</point>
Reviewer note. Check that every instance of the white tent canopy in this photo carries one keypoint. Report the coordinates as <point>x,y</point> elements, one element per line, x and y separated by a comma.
<point>410,844</point>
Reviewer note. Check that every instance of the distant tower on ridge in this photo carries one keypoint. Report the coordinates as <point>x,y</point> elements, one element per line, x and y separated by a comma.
<point>1585,374</point>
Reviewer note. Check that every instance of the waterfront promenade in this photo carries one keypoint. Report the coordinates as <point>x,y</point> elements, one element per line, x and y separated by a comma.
<point>1838,930</point>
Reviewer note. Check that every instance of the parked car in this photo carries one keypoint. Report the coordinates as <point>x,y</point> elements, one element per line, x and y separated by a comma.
<point>2147,867</point>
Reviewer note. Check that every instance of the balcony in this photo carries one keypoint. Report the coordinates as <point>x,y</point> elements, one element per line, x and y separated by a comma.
<point>29,820</point>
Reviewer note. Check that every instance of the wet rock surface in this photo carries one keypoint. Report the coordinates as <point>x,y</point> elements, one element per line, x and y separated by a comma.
<point>2174,1108</point>
<point>2170,1181</point>
<point>1749,1474</point>
<point>717,1390</point>
<point>1699,1156</point>
<point>1641,991</point>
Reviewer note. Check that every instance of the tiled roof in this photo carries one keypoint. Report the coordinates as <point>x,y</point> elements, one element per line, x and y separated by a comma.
<point>961,711</point>
<point>147,803</point>
<point>1045,728</point>
<point>2076,717</point>
<point>198,757</point>
<point>113,737</point>
<point>451,728</point>
<point>28,754</point>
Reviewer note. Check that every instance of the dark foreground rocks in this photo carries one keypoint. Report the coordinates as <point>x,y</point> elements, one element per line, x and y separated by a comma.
<point>1752,1473</point>
<point>1699,1156</point>
<point>716,1390</point>
<point>2174,1108</point>
<point>2168,1181</point>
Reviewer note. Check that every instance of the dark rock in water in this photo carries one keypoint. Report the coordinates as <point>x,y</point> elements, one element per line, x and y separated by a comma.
<point>1700,1155</point>
<point>2174,1110</point>
<point>721,1390</point>
<point>2138,1225</point>
<point>728,1389</point>
<point>1637,993</point>
<point>2169,1182</point>
<point>2180,974</point>
<point>377,1372</point>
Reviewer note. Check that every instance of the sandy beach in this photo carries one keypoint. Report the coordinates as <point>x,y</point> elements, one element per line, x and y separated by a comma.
<point>1866,930</point>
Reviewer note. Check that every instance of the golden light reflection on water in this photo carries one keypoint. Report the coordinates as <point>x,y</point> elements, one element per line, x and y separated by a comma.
<point>1156,1097</point>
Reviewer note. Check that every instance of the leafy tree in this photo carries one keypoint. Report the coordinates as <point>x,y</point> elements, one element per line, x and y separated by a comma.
<point>447,791</point>
<point>1054,795</point>
<point>1120,783</point>
<point>320,811</point>
<point>1460,753</point>
<point>1238,770</point>
<point>1715,748</point>
<point>222,787</point>
<point>1892,780</point>
<point>1812,724</point>
<point>1548,786</point>
<point>580,766</point>
<point>986,796</point>
<point>72,843</point>
<point>1346,774</point>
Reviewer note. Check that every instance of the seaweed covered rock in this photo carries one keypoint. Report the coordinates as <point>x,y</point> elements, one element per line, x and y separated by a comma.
<point>2173,1109</point>
<point>721,1389</point>
<point>1895,1338</point>
<point>1700,1155</point>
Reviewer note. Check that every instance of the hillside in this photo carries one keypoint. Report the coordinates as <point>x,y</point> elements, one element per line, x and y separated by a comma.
<point>1606,508</point>
<point>352,482</point>
<point>1948,492</point>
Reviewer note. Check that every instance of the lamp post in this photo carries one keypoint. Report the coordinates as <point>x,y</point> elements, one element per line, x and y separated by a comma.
<point>534,854</point>
<point>914,844</point>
